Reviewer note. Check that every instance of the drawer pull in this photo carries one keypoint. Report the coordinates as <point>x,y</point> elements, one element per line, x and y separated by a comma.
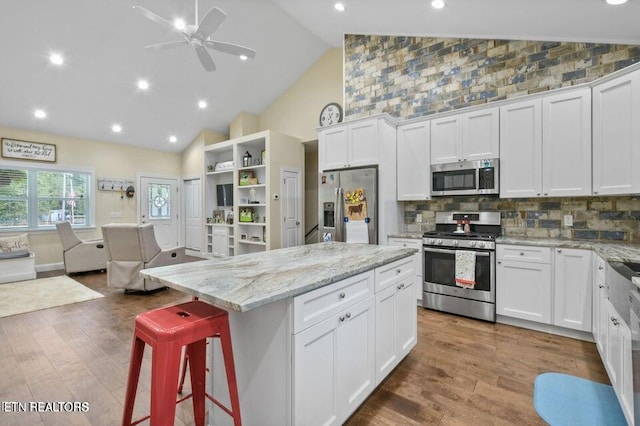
<point>404,245</point>
<point>342,318</point>
<point>348,315</point>
<point>559,251</point>
<point>521,253</point>
<point>399,287</point>
<point>615,321</point>
<point>398,271</point>
<point>600,268</point>
<point>600,286</point>
<point>342,295</point>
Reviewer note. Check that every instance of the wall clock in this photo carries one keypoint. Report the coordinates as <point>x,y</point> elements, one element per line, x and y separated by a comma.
<point>330,114</point>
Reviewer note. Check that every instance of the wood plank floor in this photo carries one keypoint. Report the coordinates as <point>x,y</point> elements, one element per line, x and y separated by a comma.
<point>462,371</point>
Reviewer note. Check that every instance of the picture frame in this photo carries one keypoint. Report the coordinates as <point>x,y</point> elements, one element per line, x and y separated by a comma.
<point>218,216</point>
<point>25,150</point>
<point>263,156</point>
<point>245,178</point>
<point>243,236</point>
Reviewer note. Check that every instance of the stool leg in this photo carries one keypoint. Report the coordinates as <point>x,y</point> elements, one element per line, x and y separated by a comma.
<point>135,362</point>
<point>197,353</point>
<point>183,373</point>
<point>165,367</point>
<point>227,353</point>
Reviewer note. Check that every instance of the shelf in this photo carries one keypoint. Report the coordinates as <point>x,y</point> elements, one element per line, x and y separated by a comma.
<point>253,223</point>
<point>219,172</point>
<point>220,224</point>
<point>253,205</point>
<point>260,185</point>
<point>240,169</point>
<point>255,243</point>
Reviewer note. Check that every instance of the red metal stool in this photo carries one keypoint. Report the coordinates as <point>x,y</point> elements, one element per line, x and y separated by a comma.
<point>167,330</point>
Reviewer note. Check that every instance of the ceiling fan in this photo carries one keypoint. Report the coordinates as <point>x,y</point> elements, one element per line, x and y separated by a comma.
<point>198,36</point>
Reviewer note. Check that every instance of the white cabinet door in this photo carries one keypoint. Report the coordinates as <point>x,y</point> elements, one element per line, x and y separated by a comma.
<point>521,149</point>
<point>626,372</point>
<point>363,144</point>
<point>417,259</point>
<point>613,359</point>
<point>481,134</point>
<point>523,290</point>
<point>414,165</point>
<point>566,141</point>
<point>406,318</point>
<point>616,132</point>
<point>446,139</point>
<point>220,241</point>
<point>332,148</point>
<point>334,368</point>
<point>598,295</point>
<point>572,289</point>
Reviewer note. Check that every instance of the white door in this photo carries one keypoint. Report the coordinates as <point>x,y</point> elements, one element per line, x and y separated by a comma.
<point>192,214</point>
<point>159,205</point>
<point>291,204</point>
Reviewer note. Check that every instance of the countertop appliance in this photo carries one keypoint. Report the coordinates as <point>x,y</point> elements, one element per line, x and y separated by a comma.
<point>440,291</point>
<point>348,201</point>
<point>466,177</point>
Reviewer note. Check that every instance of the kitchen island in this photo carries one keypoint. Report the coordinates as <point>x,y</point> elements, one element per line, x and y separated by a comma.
<point>315,328</point>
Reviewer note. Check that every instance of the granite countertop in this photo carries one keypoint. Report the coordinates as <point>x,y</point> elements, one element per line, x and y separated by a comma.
<point>611,252</point>
<point>409,235</point>
<point>246,282</point>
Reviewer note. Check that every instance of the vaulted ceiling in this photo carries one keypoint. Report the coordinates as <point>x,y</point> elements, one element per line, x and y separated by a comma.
<point>102,43</point>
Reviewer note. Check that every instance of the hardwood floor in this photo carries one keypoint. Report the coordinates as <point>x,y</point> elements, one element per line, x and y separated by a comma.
<point>462,371</point>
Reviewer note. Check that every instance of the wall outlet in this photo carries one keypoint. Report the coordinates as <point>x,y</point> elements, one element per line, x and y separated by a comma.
<point>568,220</point>
<point>419,218</point>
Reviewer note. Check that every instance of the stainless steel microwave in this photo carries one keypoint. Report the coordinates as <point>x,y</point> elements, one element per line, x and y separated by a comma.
<point>466,177</point>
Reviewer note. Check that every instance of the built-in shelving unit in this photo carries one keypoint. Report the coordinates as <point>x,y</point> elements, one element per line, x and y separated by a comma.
<point>256,191</point>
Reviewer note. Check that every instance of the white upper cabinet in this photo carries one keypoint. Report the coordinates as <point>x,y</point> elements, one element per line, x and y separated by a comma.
<point>521,149</point>
<point>414,167</point>
<point>363,143</point>
<point>616,135</point>
<point>332,148</point>
<point>465,137</point>
<point>566,144</point>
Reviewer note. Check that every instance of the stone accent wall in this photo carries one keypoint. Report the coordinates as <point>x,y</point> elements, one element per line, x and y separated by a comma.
<point>594,218</point>
<point>411,77</point>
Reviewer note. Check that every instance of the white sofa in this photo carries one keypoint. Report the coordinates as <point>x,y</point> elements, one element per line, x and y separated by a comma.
<point>17,262</point>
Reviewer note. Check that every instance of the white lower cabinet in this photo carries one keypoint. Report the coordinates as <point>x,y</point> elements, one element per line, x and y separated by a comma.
<point>523,290</point>
<point>340,332</point>
<point>572,289</point>
<point>417,258</point>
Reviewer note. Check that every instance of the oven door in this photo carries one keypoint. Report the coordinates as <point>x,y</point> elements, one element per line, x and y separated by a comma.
<point>440,270</point>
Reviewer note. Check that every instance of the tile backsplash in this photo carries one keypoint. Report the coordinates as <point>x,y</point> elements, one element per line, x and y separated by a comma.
<point>594,218</point>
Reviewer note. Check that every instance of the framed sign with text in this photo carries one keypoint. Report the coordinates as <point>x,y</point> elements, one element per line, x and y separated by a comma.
<point>23,150</point>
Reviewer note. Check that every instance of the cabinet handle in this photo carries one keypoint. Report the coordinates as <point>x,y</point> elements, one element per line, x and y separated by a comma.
<point>559,251</point>
<point>546,193</point>
<point>398,271</point>
<point>499,262</point>
<point>342,318</point>
<point>595,192</point>
<point>615,321</point>
<point>342,295</point>
<point>600,268</point>
<point>404,245</point>
<point>348,315</point>
<point>399,287</point>
<point>521,253</point>
<point>538,194</point>
<point>600,286</point>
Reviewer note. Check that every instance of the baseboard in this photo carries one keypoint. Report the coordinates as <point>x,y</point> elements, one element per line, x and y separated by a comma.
<point>545,328</point>
<point>49,267</point>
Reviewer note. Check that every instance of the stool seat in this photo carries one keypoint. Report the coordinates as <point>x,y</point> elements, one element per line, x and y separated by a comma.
<point>167,330</point>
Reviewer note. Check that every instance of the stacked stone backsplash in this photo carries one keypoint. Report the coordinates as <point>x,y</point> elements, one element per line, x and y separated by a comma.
<point>594,218</point>
<point>411,77</point>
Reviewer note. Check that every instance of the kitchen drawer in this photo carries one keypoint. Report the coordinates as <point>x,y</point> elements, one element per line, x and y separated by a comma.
<point>393,272</point>
<point>317,305</point>
<point>523,253</point>
<point>405,242</point>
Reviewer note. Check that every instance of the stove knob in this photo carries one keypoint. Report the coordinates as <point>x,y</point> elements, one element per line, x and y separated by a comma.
<point>430,241</point>
<point>455,242</point>
<point>439,242</point>
<point>481,244</point>
<point>472,243</point>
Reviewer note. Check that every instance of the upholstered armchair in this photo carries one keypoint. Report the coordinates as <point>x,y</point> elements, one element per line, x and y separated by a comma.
<point>131,248</point>
<point>80,255</point>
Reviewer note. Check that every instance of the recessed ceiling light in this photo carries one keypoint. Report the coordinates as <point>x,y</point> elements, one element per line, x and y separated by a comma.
<point>179,23</point>
<point>56,59</point>
<point>438,4</point>
<point>243,57</point>
<point>173,139</point>
<point>40,113</point>
<point>143,84</point>
<point>202,104</point>
<point>116,128</point>
<point>616,2</point>
<point>339,7</point>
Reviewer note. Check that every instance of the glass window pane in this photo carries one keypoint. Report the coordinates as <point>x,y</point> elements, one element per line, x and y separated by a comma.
<point>159,201</point>
<point>13,213</point>
<point>62,184</point>
<point>13,183</point>
<point>51,211</point>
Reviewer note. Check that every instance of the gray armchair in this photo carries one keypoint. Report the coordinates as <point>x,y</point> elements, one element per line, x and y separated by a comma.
<point>80,255</point>
<point>131,248</point>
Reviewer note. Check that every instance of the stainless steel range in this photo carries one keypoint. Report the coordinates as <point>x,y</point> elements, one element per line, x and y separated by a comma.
<point>473,234</point>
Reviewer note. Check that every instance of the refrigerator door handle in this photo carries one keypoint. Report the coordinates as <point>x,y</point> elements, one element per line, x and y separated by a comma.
<point>339,213</point>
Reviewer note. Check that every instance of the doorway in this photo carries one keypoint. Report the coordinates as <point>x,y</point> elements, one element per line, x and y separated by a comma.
<point>158,204</point>
<point>192,214</point>
<point>291,205</point>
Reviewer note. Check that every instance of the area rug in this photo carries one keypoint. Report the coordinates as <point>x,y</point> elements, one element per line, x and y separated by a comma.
<point>43,293</point>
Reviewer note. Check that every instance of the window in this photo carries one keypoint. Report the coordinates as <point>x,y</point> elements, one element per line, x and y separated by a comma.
<point>33,198</point>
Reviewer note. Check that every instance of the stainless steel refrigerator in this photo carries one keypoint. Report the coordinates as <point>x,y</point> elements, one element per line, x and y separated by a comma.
<point>348,204</point>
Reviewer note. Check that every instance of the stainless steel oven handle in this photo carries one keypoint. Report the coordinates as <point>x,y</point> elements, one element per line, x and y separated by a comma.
<point>453,251</point>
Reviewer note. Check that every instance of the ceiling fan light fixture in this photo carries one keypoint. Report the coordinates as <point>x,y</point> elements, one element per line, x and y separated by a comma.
<point>616,2</point>
<point>179,24</point>
<point>116,128</point>
<point>243,57</point>
<point>143,84</point>
<point>39,113</point>
<point>202,104</point>
<point>173,139</point>
<point>56,59</point>
<point>339,7</point>
<point>438,4</point>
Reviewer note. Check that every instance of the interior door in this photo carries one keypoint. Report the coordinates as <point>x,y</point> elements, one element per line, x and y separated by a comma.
<point>192,214</point>
<point>159,203</point>
<point>291,208</point>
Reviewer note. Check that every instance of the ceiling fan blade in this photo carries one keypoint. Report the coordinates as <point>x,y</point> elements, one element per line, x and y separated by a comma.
<point>167,45</point>
<point>211,22</point>
<point>205,58</point>
<point>230,48</point>
<point>158,19</point>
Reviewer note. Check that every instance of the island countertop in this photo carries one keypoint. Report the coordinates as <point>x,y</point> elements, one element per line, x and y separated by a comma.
<point>249,281</point>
